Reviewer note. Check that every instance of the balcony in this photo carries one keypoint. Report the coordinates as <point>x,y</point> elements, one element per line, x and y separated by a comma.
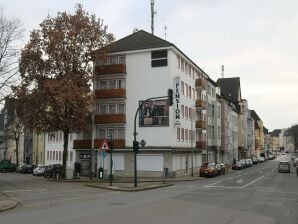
<point>200,104</point>
<point>110,93</point>
<point>110,69</point>
<point>110,118</point>
<point>82,144</point>
<point>201,145</point>
<point>117,143</point>
<point>200,84</point>
<point>86,144</point>
<point>200,124</point>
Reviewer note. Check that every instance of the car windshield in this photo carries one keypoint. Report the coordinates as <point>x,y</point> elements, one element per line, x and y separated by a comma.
<point>211,165</point>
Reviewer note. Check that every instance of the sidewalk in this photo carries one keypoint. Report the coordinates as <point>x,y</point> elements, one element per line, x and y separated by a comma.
<point>6,203</point>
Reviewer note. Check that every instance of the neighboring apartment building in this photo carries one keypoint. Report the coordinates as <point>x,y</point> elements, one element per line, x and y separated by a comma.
<point>259,134</point>
<point>54,150</point>
<point>282,140</point>
<point>3,146</point>
<point>214,122</point>
<point>275,139</point>
<point>38,155</point>
<point>250,135</point>
<point>138,67</point>
<point>28,146</point>
<point>229,134</point>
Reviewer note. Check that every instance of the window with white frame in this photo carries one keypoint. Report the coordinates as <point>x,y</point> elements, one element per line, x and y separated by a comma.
<point>101,133</point>
<point>182,134</point>
<point>182,87</point>
<point>121,133</point>
<point>112,132</point>
<point>121,108</point>
<point>121,84</point>
<point>111,84</point>
<point>186,135</point>
<point>178,134</point>
<point>112,108</point>
<point>102,109</point>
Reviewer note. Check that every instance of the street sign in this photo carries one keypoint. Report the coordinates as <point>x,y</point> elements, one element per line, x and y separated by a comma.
<point>104,146</point>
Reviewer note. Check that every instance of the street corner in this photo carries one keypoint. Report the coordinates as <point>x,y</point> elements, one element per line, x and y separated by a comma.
<point>6,203</point>
<point>129,187</point>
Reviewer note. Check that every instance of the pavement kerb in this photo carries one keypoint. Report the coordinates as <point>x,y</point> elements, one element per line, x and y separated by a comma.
<point>129,189</point>
<point>6,203</point>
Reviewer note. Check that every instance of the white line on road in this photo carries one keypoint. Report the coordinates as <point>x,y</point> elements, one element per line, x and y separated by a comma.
<point>212,184</point>
<point>253,181</point>
<point>24,190</point>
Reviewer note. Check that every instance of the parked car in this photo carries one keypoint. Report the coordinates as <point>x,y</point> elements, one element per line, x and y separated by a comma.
<point>25,168</point>
<point>211,170</point>
<point>39,170</point>
<point>52,170</point>
<point>261,159</point>
<point>203,168</point>
<point>284,166</point>
<point>237,166</point>
<point>249,162</point>
<point>271,156</point>
<point>297,170</point>
<point>220,169</point>
<point>255,160</point>
<point>243,163</point>
<point>7,166</point>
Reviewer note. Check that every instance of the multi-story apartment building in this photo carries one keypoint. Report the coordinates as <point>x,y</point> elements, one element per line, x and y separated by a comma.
<point>138,67</point>
<point>250,135</point>
<point>282,140</point>
<point>259,133</point>
<point>229,131</point>
<point>275,139</point>
<point>54,151</point>
<point>28,146</point>
<point>2,138</point>
<point>38,155</point>
<point>243,129</point>
<point>214,122</point>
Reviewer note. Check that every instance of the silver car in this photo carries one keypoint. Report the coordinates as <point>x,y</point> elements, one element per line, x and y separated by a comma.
<point>39,170</point>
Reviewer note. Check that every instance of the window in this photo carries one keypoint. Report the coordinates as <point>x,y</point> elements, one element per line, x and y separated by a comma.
<point>186,112</point>
<point>213,112</point>
<point>56,156</point>
<point>112,84</point>
<point>112,60</point>
<point>189,91</point>
<point>218,134</point>
<point>209,90</point>
<point>159,58</point>
<point>182,134</point>
<point>112,133</point>
<point>186,135</point>
<point>213,133</point>
<point>178,59</point>
<point>121,133</point>
<point>190,136</point>
<point>121,59</point>
<point>209,131</point>
<point>103,84</point>
<point>53,155</point>
<point>182,87</point>
<point>193,93</point>
<point>121,108</point>
<point>112,108</point>
<point>182,111</point>
<point>190,113</point>
<point>178,134</point>
<point>121,84</point>
<point>60,156</point>
<point>101,133</point>
<point>186,89</point>
<point>103,109</point>
<point>47,155</point>
<point>70,157</point>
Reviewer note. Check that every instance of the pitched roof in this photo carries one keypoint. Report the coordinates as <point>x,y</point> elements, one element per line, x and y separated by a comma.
<point>138,41</point>
<point>230,88</point>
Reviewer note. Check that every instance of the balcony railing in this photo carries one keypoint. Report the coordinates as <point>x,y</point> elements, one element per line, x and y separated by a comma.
<point>86,144</point>
<point>110,93</point>
<point>200,124</point>
<point>110,69</point>
<point>200,83</point>
<point>110,118</point>
<point>200,104</point>
<point>117,143</point>
<point>82,144</point>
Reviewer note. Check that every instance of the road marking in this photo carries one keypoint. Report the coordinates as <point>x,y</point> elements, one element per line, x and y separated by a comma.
<point>253,181</point>
<point>212,184</point>
<point>240,181</point>
<point>24,190</point>
<point>224,187</point>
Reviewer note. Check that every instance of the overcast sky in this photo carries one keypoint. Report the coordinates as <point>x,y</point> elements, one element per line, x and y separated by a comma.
<point>256,40</point>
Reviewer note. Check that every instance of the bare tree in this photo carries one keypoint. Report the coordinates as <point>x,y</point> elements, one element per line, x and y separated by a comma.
<point>56,71</point>
<point>11,32</point>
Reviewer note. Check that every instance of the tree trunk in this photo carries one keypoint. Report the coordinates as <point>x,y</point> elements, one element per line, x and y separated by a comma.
<point>65,150</point>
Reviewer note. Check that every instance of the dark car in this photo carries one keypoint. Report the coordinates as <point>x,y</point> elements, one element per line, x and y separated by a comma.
<point>284,166</point>
<point>7,166</point>
<point>25,168</point>
<point>221,170</point>
<point>237,166</point>
<point>53,170</point>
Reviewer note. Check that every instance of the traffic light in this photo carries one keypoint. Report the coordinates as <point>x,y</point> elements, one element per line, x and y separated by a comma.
<point>170,97</point>
<point>136,146</point>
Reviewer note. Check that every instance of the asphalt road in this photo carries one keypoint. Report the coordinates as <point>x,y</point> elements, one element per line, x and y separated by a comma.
<point>258,194</point>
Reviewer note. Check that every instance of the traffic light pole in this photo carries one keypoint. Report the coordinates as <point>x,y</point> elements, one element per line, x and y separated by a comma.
<point>135,143</point>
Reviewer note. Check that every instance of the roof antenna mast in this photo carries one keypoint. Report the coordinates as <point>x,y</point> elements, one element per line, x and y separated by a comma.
<point>222,70</point>
<point>152,17</point>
